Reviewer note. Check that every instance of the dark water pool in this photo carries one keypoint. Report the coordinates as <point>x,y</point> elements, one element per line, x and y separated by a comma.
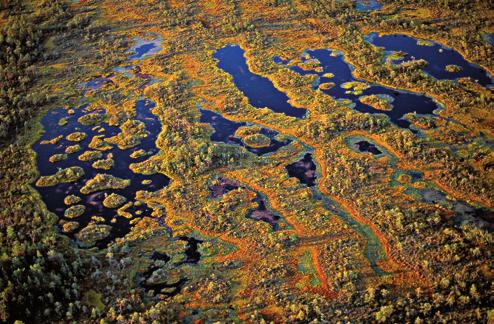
<point>224,131</point>
<point>260,90</point>
<point>141,50</point>
<point>304,170</point>
<point>334,63</point>
<point>144,47</point>
<point>193,255</point>
<point>262,213</point>
<point>170,286</point>
<point>221,186</point>
<point>364,146</point>
<point>54,196</point>
<point>437,56</point>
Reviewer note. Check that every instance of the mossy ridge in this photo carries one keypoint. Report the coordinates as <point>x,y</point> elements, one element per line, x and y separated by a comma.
<point>104,164</point>
<point>71,200</point>
<point>256,140</point>
<point>87,156</point>
<point>57,157</point>
<point>103,181</point>
<point>69,227</point>
<point>76,136</point>
<point>91,119</point>
<point>71,149</point>
<point>74,211</point>
<point>66,175</point>
<point>379,102</point>
<point>98,143</point>
<point>92,233</point>
<point>132,131</point>
<point>114,200</point>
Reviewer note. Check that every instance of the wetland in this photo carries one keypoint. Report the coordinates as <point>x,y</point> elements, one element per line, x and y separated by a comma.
<point>246,161</point>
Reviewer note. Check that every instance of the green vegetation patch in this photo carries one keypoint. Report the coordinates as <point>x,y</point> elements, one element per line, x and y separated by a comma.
<point>310,65</point>
<point>114,200</point>
<point>98,143</point>
<point>92,233</point>
<point>63,121</point>
<point>424,42</point>
<point>355,87</point>
<point>67,175</point>
<point>97,219</point>
<point>73,149</point>
<point>53,141</point>
<point>396,55</point>
<point>404,178</point>
<point>57,157</point>
<point>132,131</point>
<point>90,156</point>
<point>103,181</point>
<point>453,68</point>
<point>69,227</point>
<point>256,140</point>
<point>146,167</point>
<point>306,267</point>
<point>138,153</point>
<point>104,164</point>
<point>91,119</point>
<point>326,85</point>
<point>74,211</point>
<point>122,211</point>
<point>76,136</point>
<point>379,102</point>
<point>93,299</point>
<point>71,200</point>
<point>247,130</point>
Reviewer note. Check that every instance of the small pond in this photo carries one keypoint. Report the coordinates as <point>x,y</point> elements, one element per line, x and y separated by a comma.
<point>221,186</point>
<point>165,275</point>
<point>261,213</point>
<point>464,212</point>
<point>304,170</point>
<point>143,48</point>
<point>365,146</point>
<point>96,83</point>
<point>225,131</point>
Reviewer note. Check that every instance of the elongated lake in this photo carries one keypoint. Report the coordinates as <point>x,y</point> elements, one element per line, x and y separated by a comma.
<point>260,90</point>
